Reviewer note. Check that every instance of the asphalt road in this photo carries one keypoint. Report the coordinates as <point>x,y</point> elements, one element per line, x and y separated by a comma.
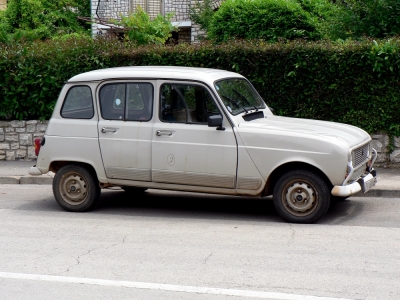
<point>169,245</point>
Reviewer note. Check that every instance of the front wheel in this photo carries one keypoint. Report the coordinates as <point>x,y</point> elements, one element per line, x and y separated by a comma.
<point>76,188</point>
<point>301,196</point>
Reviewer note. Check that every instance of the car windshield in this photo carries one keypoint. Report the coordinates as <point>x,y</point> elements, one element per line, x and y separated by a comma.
<point>238,95</point>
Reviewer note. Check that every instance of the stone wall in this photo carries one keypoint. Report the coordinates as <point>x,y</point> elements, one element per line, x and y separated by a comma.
<point>16,142</point>
<point>380,142</point>
<point>16,139</point>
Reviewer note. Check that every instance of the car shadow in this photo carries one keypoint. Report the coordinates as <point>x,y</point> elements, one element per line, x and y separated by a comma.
<point>161,203</point>
<point>343,211</point>
<point>157,203</point>
<point>172,204</point>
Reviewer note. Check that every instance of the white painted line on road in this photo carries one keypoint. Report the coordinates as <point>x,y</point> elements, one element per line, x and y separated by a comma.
<point>164,287</point>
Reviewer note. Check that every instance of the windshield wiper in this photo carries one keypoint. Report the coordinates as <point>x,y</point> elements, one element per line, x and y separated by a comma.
<point>234,103</point>
<point>244,99</point>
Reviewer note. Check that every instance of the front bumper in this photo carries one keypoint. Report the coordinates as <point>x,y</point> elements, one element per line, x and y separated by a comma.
<point>365,183</point>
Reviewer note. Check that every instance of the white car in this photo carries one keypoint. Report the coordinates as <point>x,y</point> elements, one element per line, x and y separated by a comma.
<point>198,130</point>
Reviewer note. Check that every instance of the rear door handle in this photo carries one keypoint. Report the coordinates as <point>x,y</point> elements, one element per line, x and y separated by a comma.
<point>108,129</point>
<point>163,132</point>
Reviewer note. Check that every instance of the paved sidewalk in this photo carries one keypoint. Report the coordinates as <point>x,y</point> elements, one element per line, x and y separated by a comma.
<point>16,172</point>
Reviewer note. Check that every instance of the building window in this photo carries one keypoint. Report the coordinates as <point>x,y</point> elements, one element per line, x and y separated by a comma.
<point>151,7</point>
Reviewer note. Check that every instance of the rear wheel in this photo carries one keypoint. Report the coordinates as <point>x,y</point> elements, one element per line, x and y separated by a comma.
<point>301,196</point>
<point>76,188</point>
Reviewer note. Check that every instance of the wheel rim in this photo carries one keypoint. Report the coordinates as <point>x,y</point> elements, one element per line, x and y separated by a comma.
<point>300,198</point>
<point>74,188</point>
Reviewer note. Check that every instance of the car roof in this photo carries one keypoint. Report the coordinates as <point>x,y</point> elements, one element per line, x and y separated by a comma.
<point>155,72</point>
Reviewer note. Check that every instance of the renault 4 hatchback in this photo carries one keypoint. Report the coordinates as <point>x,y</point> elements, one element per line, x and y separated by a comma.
<point>198,130</point>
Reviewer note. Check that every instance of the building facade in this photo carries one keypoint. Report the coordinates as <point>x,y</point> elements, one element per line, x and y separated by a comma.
<point>112,9</point>
<point>3,4</point>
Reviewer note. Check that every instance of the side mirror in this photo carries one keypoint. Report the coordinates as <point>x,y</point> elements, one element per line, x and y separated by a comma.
<point>215,121</point>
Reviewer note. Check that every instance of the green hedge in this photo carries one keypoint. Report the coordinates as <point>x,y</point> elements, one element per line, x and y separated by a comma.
<point>355,82</point>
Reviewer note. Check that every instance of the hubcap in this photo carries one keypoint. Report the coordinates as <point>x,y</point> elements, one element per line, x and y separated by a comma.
<point>299,198</point>
<point>73,188</point>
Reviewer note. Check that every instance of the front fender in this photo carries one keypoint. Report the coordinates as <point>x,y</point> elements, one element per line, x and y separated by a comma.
<point>271,150</point>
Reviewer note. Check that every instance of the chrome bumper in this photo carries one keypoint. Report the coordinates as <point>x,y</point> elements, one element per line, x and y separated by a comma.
<point>365,183</point>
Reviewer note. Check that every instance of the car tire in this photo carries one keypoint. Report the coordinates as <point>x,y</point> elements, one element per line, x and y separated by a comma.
<point>301,196</point>
<point>76,188</point>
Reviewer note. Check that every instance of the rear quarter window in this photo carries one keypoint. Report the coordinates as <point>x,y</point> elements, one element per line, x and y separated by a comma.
<point>78,103</point>
<point>130,101</point>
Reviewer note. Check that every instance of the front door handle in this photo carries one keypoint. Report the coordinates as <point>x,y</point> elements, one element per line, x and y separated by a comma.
<point>108,129</point>
<point>163,132</point>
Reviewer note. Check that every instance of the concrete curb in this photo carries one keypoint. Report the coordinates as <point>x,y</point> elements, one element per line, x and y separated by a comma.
<point>380,193</point>
<point>44,179</point>
<point>9,179</point>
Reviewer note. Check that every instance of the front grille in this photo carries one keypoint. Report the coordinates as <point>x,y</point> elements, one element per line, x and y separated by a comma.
<point>356,174</point>
<point>360,155</point>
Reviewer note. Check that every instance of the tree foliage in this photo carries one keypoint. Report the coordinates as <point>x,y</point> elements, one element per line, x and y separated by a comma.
<point>263,19</point>
<point>331,19</point>
<point>372,18</point>
<point>327,16</point>
<point>142,30</point>
<point>42,19</point>
<point>201,12</point>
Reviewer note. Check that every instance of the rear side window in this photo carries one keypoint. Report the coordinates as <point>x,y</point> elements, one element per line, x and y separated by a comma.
<point>78,104</point>
<point>127,101</point>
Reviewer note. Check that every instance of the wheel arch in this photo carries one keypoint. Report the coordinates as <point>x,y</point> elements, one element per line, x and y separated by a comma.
<point>57,165</point>
<point>279,171</point>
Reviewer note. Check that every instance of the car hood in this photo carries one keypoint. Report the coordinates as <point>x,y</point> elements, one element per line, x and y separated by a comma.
<point>337,132</point>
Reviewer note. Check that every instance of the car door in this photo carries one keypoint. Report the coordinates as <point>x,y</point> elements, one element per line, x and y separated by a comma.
<point>185,150</point>
<point>125,129</point>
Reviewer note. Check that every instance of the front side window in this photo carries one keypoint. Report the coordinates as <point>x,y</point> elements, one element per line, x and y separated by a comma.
<point>78,103</point>
<point>126,101</point>
<point>238,95</point>
<point>186,103</point>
